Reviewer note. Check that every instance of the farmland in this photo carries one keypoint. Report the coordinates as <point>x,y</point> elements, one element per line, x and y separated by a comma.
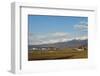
<point>66,53</point>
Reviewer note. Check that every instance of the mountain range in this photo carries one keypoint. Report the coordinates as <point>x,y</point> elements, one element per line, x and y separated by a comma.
<point>68,44</point>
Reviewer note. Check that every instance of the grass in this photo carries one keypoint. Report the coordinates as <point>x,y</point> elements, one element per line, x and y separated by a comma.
<point>67,53</point>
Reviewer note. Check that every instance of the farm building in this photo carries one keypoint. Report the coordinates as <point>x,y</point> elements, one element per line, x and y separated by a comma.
<point>81,48</point>
<point>44,48</point>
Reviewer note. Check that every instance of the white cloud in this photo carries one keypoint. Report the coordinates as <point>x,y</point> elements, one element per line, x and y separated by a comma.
<point>48,38</point>
<point>82,26</point>
<point>36,39</point>
<point>84,22</point>
<point>81,38</point>
<point>59,34</point>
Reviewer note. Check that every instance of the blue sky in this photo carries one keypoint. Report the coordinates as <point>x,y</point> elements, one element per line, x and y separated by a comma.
<point>43,27</point>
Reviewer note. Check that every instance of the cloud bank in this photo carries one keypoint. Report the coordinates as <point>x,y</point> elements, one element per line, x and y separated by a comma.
<point>36,39</point>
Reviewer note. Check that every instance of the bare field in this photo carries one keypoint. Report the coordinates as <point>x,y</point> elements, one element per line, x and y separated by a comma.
<point>58,54</point>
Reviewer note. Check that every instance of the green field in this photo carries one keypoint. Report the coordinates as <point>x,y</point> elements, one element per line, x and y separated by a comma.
<point>68,53</point>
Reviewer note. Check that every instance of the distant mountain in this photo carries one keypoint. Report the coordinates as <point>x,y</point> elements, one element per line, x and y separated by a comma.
<point>69,44</point>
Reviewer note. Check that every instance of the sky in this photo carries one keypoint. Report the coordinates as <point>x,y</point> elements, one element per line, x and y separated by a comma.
<point>44,29</point>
